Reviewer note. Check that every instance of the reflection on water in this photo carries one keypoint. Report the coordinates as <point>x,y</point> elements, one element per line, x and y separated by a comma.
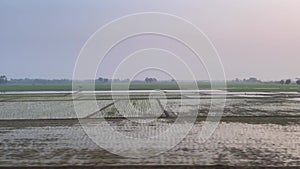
<point>65,143</point>
<point>63,109</point>
<point>257,129</point>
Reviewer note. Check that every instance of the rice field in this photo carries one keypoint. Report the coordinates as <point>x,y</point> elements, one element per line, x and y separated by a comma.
<point>260,128</point>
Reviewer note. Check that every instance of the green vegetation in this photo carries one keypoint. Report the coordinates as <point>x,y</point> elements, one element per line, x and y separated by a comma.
<point>262,88</point>
<point>233,87</point>
<point>6,88</point>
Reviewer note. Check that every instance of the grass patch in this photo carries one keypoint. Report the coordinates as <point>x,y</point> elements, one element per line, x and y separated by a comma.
<point>206,86</point>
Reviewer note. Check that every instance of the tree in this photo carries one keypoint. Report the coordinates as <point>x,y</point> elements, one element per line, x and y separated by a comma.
<point>289,81</point>
<point>252,80</point>
<point>150,80</point>
<point>237,80</point>
<point>298,82</point>
<point>100,79</point>
<point>103,80</point>
<point>282,82</point>
<point>3,79</point>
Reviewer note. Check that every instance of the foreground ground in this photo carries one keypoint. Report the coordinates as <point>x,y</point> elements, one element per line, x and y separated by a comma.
<point>257,129</point>
<point>63,142</point>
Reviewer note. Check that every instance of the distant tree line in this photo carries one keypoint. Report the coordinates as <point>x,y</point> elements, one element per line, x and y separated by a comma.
<point>147,80</point>
<point>102,80</point>
<point>253,80</point>
<point>250,80</point>
<point>39,81</point>
<point>27,81</point>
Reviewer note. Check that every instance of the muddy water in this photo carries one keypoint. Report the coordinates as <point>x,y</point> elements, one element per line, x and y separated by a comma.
<point>62,108</point>
<point>233,143</point>
<point>262,131</point>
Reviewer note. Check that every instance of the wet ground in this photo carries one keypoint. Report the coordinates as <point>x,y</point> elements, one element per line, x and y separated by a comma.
<point>63,142</point>
<point>254,131</point>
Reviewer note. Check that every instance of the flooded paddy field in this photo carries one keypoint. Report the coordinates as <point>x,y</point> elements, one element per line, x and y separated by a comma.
<point>257,129</point>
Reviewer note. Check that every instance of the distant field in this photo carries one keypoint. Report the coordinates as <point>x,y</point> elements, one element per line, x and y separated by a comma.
<point>263,88</point>
<point>206,86</point>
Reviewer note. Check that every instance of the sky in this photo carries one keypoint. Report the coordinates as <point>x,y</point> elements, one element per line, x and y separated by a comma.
<point>254,38</point>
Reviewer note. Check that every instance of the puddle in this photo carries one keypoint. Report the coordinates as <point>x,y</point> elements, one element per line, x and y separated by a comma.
<point>295,99</point>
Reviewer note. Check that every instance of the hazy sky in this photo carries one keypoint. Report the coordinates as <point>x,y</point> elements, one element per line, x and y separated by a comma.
<point>42,38</point>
